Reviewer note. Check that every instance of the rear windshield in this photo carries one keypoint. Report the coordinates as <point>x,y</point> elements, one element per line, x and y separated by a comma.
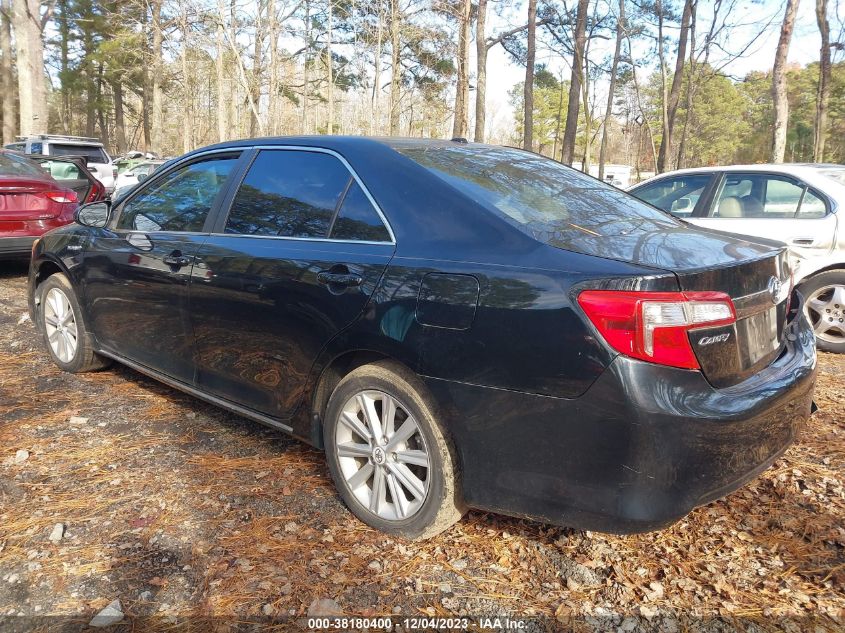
<point>11,165</point>
<point>92,153</point>
<point>545,199</point>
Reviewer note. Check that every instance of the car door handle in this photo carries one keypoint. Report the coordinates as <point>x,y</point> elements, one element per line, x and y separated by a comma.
<point>176,259</point>
<point>339,279</point>
<point>803,241</point>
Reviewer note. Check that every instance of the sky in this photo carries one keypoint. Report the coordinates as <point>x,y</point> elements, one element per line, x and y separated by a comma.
<point>751,17</point>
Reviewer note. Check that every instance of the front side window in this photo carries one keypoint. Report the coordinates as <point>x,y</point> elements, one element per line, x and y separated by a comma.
<point>289,193</point>
<point>181,201</point>
<point>677,195</point>
<point>765,196</point>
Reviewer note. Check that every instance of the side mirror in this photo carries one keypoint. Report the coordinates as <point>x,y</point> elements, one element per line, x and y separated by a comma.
<point>94,214</point>
<point>142,177</point>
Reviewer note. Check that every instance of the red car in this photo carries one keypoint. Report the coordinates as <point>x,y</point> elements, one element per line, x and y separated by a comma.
<point>38,194</point>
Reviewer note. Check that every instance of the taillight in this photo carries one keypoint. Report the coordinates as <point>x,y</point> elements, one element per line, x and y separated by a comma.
<point>98,192</point>
<point>61,196</point>
<point>654,326</point>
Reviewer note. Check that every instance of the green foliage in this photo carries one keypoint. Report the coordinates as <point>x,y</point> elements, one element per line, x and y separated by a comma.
<point>551,97</point>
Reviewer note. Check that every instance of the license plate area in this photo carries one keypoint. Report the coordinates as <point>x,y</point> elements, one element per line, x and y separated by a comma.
<point>759,335</point>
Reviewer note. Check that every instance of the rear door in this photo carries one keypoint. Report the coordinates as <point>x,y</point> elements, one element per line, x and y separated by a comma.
<point>70,172</point>
<point>294,261</point>
<point>774,206</point>
<point>136,271</point>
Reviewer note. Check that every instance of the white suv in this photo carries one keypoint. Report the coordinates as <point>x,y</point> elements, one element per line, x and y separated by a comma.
<point>799,204</point>
<point>99,162</point>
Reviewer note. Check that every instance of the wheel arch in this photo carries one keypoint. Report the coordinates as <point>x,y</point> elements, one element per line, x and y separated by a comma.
<point>43,269</point>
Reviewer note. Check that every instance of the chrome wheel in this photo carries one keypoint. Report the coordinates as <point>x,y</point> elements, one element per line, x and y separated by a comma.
<point>825,309</point>
<point>382,455</point>
<point>60,325</point>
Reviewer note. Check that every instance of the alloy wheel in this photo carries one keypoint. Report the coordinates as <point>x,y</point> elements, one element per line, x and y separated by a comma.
<point>825,309</point>
<point>382,455</point>
<point>60,324</point>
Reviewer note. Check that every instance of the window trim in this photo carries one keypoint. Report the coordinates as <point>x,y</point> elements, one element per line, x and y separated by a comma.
<point>163,173</point>
<point>219,225</point>
<point>795,180</point>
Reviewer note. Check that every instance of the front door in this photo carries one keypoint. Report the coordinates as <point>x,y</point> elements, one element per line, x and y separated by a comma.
<point>296,260</point>
<point>135,273</point>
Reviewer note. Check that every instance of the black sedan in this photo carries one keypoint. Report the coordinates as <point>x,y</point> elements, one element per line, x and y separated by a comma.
<point>457,325</point>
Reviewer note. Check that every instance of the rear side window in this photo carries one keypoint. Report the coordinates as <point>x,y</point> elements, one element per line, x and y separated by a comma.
<point>288,193</point>
<point>677,195</point>
<point>92,153</point>
<point>357,219</point>
<point>545,199</point>
<point>181,200</point>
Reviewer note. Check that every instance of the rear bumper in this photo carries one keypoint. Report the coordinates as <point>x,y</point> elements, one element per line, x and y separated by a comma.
<point>640,449</point>
<point>16,247</point>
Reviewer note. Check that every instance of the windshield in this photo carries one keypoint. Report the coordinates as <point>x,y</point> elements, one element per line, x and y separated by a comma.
<point>11,165</point>
<point>543,198</point>
<point>92,153</point>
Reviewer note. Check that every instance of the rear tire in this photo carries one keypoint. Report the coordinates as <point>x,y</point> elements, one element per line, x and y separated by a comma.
<point>391,460</point>
<point>63,327</point>
<point>824,305</point>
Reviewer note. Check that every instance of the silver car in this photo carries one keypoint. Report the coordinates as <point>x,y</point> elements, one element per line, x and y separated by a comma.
<point>799,204</point>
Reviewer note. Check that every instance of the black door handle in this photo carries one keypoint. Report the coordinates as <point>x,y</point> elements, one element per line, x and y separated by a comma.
<point>176,259</point>
<point>339,279</point>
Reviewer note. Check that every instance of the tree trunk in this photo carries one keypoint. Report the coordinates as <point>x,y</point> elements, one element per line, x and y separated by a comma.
<point>254,86</point>
<point>32,89</point>
<point>665,152</point>
<point>375,121</point>
<point>460,124</point>
<point>187,87</point>
<point>395,68</point>
<point>779,83</point>
<point>481,71</point>
<point>119,124</point>
<point>330,73</point>
<point>306,79</point>
<point>220,68</point>
<point>608,111</point>
<point>64,68</point>
<point>823,93</point>
<point>571,130</point>
<point>275,76</point>
<point>7,79</point>
<point>528,115</point>
<point>156,131</point>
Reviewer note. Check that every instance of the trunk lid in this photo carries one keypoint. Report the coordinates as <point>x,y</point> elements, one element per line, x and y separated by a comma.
<point>24,200</point>
<point>760,290</point>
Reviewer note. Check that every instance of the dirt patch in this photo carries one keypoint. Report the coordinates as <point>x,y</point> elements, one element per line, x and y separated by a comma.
<point>181,510</point>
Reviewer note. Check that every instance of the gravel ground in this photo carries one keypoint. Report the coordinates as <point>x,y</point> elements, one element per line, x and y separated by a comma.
<point>116,488</point>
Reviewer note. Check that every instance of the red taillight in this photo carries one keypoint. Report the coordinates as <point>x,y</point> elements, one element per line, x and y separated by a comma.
<point>61,196</point>
<point>98,192</point>
<point>653,326</point>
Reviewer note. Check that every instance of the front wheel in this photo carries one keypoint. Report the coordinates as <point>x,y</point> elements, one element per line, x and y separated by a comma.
<point>64,329</point>
<point>391,461</point>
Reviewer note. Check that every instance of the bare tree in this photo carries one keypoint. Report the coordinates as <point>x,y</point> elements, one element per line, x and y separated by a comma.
<point>156,68</point>
<point>779,83</point>
<point>670,109</point>
<point>528,124</point>
<point>395,65</point>
<point>570,131</point>
<point>7,87</point>
<point>461,122</point>
<point>481,71</point>
<point>28,25</point>
<point>823,93</point>
<point>611,91</point>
